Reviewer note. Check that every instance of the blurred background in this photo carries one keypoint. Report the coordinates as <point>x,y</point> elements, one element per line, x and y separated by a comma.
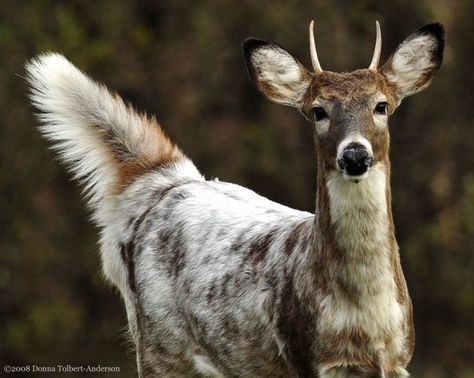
<point>183,62</point>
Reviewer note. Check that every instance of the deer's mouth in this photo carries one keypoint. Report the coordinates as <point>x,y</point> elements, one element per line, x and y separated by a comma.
<point>355,178</point>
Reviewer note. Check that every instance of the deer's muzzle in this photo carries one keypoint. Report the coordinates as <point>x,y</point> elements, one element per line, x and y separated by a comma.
<point>355,159</point>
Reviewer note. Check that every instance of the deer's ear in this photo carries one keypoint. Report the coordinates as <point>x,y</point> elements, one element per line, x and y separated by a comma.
<point>415,61</point>
<point>275,72</point>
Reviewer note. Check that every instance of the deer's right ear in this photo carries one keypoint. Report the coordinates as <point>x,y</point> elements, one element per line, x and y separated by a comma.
<point>275,72</point>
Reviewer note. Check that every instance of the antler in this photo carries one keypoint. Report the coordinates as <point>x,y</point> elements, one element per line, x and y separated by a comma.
<point>378,48</point>
<point>312,47</point>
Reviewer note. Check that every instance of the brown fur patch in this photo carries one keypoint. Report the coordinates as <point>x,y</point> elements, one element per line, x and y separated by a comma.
<point>158,151</point>
<point>348,88</point>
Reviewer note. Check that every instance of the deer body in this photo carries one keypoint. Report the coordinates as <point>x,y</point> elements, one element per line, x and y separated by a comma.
<point>220,281</point>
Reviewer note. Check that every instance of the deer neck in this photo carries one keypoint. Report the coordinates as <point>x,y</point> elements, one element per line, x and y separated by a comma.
<point>355,243</point>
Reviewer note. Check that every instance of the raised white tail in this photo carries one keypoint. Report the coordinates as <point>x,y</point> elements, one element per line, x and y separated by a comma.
<point>103,141</point>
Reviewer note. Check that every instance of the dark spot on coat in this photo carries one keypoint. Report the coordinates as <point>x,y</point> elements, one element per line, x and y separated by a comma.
<point>127,252</point>
<point>211,291</point>
<point>260,246</point>
<point>293,238</point>
<point>177,254</point>
<point>224,285</point>
<point>296,328</point>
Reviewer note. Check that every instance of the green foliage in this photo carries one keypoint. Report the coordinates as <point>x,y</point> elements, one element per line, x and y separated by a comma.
<point>182,62</point>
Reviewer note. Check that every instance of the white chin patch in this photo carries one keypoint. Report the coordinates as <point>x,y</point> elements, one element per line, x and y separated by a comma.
<point>355,179</point>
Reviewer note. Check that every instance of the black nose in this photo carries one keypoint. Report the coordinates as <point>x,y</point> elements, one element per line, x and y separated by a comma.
<point>355,160</point>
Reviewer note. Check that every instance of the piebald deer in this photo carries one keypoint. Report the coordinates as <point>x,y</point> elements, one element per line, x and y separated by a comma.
<point>219,281</point>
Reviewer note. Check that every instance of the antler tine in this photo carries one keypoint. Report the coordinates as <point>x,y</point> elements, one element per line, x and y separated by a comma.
<point>378,48</point>
<point>312,47</point>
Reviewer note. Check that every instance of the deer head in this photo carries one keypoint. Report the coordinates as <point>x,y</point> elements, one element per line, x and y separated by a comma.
<point>349,111</point>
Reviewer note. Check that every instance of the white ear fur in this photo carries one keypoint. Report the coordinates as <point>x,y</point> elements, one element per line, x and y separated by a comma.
<point>413,64</point>
<point>276,73</point>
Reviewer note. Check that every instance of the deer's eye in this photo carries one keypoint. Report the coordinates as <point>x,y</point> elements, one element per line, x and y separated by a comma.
<point>381,108</point>
<point>319,113</point>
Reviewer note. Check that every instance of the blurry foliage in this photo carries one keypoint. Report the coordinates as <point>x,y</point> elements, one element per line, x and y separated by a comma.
<point>182,61</point>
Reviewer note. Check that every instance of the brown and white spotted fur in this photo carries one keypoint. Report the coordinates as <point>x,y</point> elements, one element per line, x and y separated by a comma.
<point>219,281</point>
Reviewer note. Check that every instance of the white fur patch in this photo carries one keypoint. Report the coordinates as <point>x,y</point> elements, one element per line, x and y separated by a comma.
<point>322,127</point>
<point>380,120</point>
<point>66,97</point>
<point>205,366</point>
<point>347,197</point>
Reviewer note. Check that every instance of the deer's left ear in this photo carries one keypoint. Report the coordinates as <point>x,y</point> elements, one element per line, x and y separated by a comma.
<point>415,61</point>
<point>276,73</point>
